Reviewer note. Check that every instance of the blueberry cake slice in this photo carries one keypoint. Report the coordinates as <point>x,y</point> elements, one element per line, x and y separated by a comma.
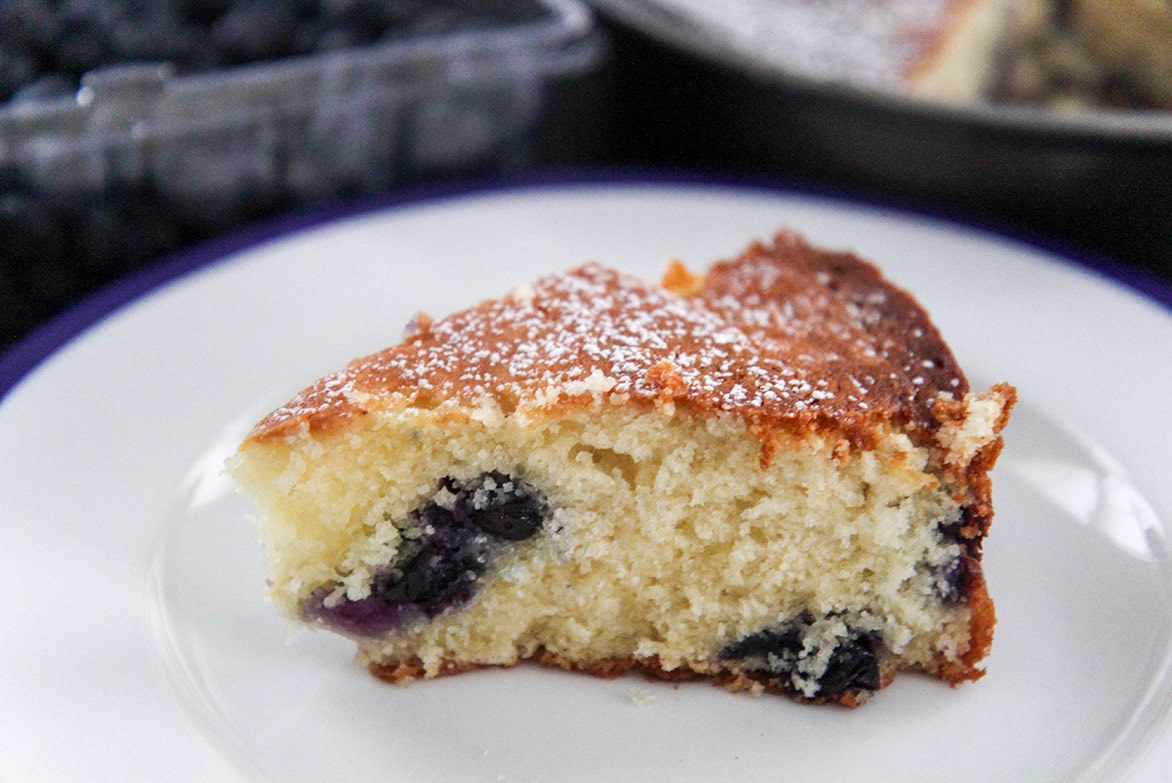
<point>772,474</point>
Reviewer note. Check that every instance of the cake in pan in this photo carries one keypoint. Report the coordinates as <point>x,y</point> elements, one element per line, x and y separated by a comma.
<point>772,474</point>
<point>1063,54</point>
<point>946,49</point>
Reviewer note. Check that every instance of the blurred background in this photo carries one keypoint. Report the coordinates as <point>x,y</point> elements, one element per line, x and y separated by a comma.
<point>130,130</point>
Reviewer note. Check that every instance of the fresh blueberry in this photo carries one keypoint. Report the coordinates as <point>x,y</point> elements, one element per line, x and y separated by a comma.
<point>84,44</point>
<point>253,30</point>
<point>31,237</point>
<point>18,66</point>
<point>201,12</point>
<point>154,38</point>
<point>48,87</point>
<point>31,23</point>
<point>122,230</point>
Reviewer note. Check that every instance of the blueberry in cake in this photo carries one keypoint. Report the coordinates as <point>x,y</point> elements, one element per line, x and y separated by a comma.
<point>772,474</point>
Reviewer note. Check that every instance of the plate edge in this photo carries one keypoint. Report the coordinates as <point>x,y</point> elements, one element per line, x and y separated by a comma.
<point>44,341</point>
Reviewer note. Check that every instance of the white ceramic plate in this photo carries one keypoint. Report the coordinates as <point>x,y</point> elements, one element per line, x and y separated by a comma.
<point>135,644</point>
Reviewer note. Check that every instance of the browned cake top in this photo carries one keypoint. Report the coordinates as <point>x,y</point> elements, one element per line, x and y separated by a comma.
<point>876,43</point>
<point>786,336</point>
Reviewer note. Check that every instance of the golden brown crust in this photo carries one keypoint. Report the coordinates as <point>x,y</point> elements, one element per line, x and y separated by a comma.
<point>787,336</point>
<point>651,667</point>
<point>978,500</point>
<point>837,320</point>
<point>401,673</point>
<point>935,39</point>
<point>983,619</point>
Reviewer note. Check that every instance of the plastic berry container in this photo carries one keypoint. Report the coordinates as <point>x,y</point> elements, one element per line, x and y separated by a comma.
<point>144,158</point>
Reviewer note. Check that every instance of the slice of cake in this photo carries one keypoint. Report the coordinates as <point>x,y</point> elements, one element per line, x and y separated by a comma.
<point>773,474</point>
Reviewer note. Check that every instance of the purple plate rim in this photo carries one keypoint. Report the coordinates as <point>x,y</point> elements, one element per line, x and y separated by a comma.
<point>45,340</point>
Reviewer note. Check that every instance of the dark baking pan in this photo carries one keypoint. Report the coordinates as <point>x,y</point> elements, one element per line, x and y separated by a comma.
<point>1098,181</point>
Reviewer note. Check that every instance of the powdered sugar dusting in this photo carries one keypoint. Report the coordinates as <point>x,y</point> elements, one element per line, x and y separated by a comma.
<point>786,333</point>
<point>589,332</point>
<point>871,43</point>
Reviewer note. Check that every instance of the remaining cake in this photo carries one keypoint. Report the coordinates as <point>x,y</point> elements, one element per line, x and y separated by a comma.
<point>964,51</point>
<point>1064,54</point>
<point>945,49</point>
<point>773,474</point>
<point>1132,40</point>
<point>1072,54</point>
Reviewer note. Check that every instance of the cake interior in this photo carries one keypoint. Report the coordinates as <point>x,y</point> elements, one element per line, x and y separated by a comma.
<point>623,536</point>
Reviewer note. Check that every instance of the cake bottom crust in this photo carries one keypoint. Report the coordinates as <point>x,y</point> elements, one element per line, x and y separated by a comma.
<point>651,668</point>
<point>749,681</point>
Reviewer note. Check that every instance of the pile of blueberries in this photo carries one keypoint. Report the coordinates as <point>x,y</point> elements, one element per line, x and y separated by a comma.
<point>47,44</point>
<point>56,247</point>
